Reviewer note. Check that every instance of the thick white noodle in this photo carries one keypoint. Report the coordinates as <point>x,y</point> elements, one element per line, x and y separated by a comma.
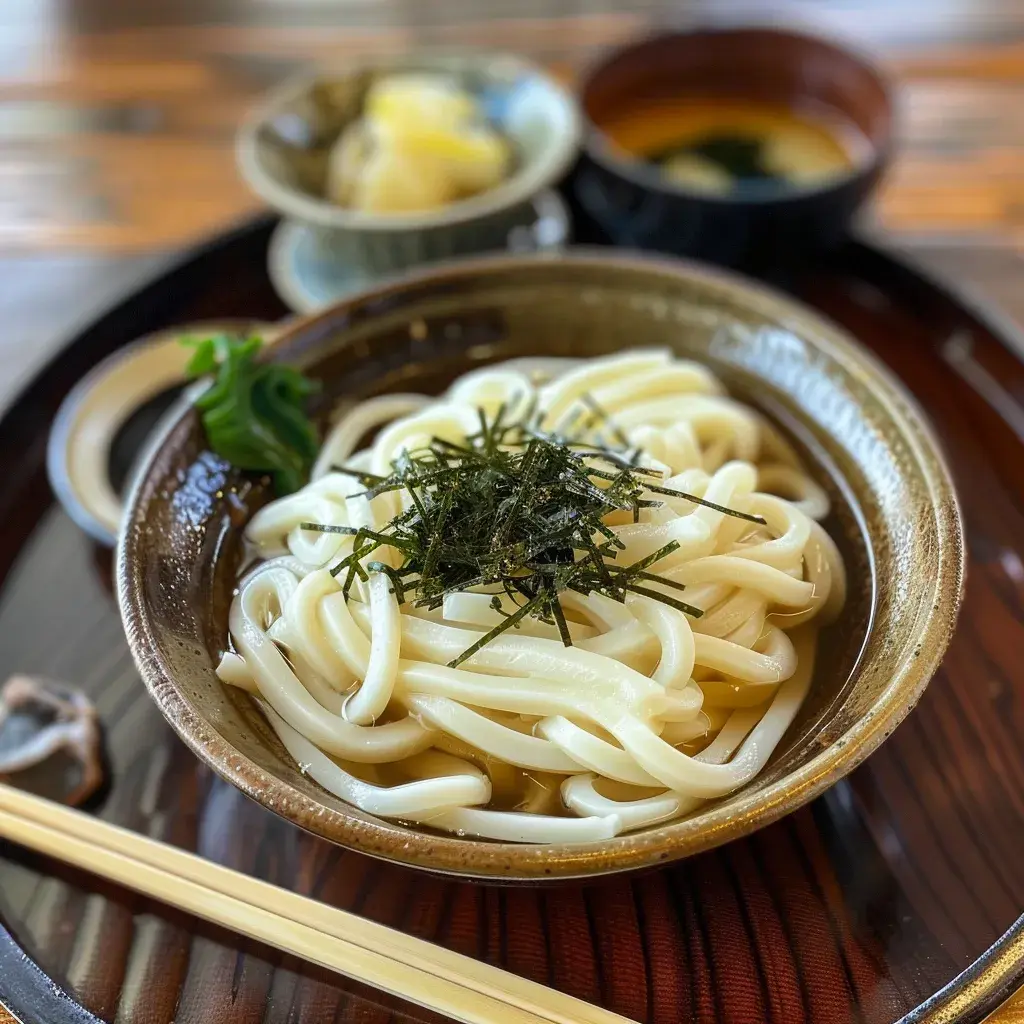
<point>489,736</point>
<point>517,827</point>
<point>279,687</point>
<point>649,713</point>
<point>350,427</point>
<point>580,796</point>
<point>425,795</point>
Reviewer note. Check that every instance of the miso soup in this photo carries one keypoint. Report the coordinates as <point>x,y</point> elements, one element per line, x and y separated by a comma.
<point>725,145</point>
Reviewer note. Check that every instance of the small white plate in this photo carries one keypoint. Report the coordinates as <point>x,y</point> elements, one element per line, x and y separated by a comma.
<point>92,416</point>
<point>306,282</point>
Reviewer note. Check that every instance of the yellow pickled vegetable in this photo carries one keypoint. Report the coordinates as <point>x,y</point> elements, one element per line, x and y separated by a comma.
<point>405,101</point>
<point>421,143</point>
<point>474,158</point>
<point>345,164</point>
<point>392,182</point>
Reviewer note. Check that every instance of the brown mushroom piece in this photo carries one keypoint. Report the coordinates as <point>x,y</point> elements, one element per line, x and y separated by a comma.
<point>50,741</point>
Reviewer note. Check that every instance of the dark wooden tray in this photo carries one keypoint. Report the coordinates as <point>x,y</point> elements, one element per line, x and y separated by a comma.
<point>895,896</point>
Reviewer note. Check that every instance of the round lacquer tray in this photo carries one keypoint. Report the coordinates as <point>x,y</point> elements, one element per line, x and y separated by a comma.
<point>895,896</point>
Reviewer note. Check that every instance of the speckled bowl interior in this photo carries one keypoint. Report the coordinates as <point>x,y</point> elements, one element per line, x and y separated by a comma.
<point>895,517</point>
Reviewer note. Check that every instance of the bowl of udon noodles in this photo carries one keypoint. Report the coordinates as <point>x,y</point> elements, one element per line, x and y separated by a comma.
<point>603,561</point>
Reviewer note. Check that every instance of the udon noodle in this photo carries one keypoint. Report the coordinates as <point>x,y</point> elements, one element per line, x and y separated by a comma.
<point>649,712</point>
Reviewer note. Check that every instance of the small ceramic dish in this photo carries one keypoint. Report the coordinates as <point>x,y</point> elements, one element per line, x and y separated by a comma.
<point>306,282</point>
<point>105,420</point>
<point>895,517</point>
<point>757,229</point>
<point>283,149</point>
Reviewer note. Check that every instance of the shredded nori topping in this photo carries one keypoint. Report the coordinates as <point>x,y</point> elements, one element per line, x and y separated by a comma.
<point>514,511</point>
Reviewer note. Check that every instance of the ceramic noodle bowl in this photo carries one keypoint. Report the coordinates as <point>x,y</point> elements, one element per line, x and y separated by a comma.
<point>894,516</point>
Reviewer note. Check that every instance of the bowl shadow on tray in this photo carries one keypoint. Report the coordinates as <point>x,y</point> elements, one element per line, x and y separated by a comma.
<point>419,339</point>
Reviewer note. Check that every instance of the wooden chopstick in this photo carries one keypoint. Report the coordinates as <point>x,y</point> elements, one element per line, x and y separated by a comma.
<point>407,967</point>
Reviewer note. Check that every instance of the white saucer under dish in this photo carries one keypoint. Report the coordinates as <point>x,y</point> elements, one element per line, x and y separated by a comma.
<point>303,281</point>
<point>306,282</point>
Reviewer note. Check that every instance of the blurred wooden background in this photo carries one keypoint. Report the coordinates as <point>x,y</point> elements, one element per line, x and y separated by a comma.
<point>116,121</point>
<point>117,118</point>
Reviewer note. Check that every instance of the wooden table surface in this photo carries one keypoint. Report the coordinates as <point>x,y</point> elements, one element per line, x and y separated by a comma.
<point>116,125</point>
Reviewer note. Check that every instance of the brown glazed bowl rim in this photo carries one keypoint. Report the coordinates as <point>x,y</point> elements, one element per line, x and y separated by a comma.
<point>599,148</point>
<point>496,861</point>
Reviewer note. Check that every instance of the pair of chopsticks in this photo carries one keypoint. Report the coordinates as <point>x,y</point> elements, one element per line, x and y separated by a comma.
<point>410,968</point>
